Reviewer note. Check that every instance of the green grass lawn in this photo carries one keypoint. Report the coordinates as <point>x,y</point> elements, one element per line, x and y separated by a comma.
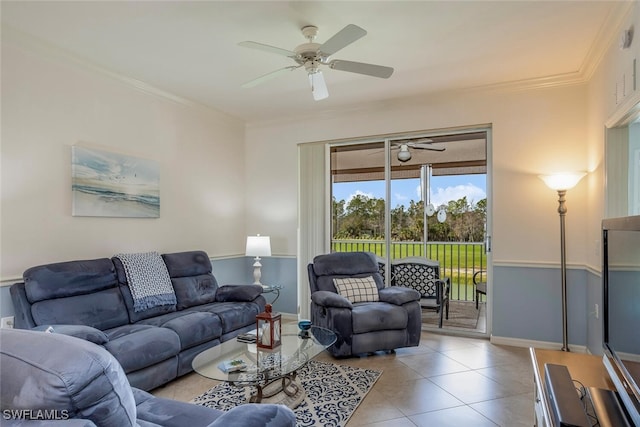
<point>458,255</point>
<point>458,261</point>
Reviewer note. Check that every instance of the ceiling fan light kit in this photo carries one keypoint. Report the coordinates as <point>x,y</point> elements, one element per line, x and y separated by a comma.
<point>313,55</point>
<point>404,154</point>
<point>318,86</point>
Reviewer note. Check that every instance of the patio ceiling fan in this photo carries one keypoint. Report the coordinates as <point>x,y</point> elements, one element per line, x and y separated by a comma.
<point>312,56</point>
<point>403,146</point>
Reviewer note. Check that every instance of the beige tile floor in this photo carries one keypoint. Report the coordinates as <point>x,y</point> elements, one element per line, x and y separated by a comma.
<point>446,381</point>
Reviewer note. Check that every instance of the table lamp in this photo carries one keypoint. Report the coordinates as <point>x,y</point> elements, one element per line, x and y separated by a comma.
<point>258,246</point>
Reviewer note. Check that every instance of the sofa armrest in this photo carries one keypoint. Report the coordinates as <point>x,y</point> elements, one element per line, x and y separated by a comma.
<point>257,415</point>
<point>172,413</point>
<point>398,295</point>
<point>22,318</point>
<point>85,332</point>
<point>236,293</point>
<point>330,299</point>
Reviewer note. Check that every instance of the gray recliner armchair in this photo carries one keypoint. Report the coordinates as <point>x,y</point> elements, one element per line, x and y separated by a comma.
<point>52,380</point>
<point>348,296</point>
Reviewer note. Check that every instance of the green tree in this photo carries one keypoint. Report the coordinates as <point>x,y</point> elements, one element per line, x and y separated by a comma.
<point>363,218</point>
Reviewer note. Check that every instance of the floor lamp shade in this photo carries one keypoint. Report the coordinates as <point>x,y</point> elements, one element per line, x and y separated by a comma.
<point>562,182</point>
<point>258,246</point>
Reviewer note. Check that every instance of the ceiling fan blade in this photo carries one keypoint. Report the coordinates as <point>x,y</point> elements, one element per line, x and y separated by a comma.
<point>268,48</point>
<point>420,141</point>
<point>318,86</point>
<point>427,147</point>
<point>269,76</point>
<point>342,39</point>
<point>362,68</point>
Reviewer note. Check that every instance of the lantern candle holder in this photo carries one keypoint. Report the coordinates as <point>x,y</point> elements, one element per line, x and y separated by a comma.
<point>269,328</point>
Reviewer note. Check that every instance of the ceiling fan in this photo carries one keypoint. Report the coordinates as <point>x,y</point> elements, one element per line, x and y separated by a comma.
<point>312,56</point>
<point>404,154</point>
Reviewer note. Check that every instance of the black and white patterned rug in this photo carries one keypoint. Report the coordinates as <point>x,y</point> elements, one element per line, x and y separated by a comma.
<point>333,392</point>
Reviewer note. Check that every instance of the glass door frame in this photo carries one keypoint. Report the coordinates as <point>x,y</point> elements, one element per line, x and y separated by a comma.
<point>387,140</point>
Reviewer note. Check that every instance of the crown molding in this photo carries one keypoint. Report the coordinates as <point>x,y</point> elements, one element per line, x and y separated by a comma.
<point>607,35</point>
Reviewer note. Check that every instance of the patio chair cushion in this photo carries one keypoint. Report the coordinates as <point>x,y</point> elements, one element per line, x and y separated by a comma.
<point>357,289</point>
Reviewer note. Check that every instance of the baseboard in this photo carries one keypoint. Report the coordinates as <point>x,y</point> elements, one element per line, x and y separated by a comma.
<point>547,345</point>
<point>289,317</point>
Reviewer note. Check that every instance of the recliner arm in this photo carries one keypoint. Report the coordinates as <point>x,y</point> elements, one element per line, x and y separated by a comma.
<point>398,295</point>
<point>330,299</point>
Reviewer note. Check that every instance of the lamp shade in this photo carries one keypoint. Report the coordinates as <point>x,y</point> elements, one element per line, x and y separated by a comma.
<point>562,181</point>
<point>258,246</point>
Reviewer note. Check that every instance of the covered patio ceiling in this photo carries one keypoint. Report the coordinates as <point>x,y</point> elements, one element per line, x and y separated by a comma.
<point>463,154</point>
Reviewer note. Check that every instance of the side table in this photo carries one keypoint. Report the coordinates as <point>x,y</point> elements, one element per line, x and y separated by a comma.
<point>272,289</point>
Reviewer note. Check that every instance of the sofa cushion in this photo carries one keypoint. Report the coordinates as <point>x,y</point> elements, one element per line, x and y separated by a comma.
<point>191,277</point>
<point>63,373</point>
<point>377,316</point>
<point>65,279</point>
<point>75,292</point>
<point>103,309</point>
<point>195,290</point>
<point>138,346</point>
<point>193,328</point>
<point>186,264</point>
<point>357,289</point>
<point>84,332</point>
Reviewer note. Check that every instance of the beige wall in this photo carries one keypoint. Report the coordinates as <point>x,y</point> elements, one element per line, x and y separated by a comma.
<point>50,104</point>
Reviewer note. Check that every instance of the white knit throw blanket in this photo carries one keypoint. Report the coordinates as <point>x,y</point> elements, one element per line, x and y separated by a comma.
<point>148,280</point>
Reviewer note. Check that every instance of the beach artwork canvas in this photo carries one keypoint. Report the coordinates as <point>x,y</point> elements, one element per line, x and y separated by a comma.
<point>114,185</point>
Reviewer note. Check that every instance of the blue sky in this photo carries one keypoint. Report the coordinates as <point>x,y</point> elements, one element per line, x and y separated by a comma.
<point>443,189</point>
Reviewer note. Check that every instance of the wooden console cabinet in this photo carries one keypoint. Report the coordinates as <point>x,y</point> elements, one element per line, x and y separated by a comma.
<point>586,368</point>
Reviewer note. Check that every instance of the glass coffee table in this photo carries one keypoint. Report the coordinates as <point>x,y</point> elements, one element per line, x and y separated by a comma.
<point>268,373</point>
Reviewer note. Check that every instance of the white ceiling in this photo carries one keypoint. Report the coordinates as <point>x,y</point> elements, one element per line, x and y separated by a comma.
<point>190,48</point>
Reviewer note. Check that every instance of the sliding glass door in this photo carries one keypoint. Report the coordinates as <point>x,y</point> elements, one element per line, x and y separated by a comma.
<point>414,196</point>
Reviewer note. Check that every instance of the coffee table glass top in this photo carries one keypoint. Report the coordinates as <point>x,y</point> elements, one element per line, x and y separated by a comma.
<point>261,364</point>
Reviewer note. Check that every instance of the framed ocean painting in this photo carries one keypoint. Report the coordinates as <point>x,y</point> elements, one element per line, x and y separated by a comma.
<point>113,185</point>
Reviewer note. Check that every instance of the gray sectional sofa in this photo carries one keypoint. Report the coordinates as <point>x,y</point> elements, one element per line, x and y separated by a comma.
<point>53,380</point>
<point>92,300</point>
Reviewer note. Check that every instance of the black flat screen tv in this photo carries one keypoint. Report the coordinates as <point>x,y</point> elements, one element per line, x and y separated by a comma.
<point>621,309</point>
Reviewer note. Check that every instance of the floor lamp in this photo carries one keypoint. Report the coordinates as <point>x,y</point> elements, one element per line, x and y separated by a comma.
<point>561,183</point>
